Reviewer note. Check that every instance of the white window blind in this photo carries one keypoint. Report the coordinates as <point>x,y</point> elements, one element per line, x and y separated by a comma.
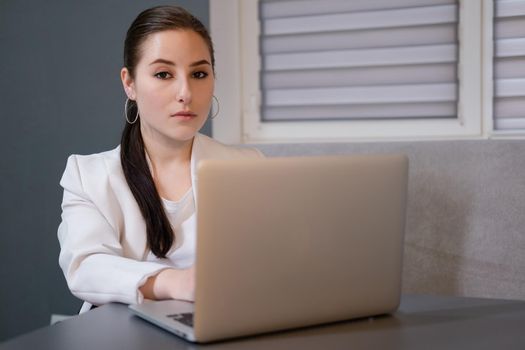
<point>344,60</point>
<point>509,64</point>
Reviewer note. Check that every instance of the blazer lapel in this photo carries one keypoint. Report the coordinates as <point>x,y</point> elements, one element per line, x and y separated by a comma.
<point>198,152</point>
<point>128,218</point>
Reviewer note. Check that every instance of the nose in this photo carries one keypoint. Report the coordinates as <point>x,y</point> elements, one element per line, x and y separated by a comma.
<point>184,92</point>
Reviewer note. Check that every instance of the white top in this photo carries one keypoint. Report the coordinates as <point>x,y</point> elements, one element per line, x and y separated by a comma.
<point>181,215</point>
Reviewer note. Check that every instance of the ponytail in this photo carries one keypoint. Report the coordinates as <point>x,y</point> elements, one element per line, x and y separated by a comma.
<point>159,233</point>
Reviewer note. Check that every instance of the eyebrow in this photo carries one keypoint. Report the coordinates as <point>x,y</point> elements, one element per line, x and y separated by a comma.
<point>197,63</point>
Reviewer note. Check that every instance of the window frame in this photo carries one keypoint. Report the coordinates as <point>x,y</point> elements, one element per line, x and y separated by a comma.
<point>235,30</point>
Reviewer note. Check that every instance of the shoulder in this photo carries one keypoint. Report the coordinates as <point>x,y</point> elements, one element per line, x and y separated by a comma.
<point>95,158</point>
<point>98,166</point>
<point>206,147</point>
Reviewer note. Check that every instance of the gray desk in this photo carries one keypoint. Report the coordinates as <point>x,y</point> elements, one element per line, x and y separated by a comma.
<point>422,322</point>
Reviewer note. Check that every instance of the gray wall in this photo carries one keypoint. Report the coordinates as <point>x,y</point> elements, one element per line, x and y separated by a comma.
<point>60,93</point>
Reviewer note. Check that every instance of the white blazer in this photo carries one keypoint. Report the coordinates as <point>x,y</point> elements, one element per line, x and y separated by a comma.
<point>103,234</point>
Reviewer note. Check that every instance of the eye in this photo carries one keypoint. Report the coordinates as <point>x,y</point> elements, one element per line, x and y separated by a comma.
<point>200,75</point>
<point>163,75</point>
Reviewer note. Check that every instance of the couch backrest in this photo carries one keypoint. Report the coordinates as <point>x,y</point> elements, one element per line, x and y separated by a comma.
<point>465,232</point>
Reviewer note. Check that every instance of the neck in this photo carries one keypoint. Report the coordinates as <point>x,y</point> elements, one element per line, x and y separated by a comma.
<point>164,155</point>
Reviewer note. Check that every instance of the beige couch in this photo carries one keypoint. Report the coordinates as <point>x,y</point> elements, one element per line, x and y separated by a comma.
<point>465,231</point>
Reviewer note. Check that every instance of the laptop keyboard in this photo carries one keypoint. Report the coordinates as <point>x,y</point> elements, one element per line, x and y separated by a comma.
<point>184,318</point>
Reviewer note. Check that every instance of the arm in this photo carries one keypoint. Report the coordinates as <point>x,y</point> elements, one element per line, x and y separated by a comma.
<point>92,257</point>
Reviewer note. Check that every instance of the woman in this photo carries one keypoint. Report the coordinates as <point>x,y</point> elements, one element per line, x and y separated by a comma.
<point>128,215</point>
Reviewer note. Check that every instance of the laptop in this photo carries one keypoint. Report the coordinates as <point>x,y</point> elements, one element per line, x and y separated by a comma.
<point>290,242</point>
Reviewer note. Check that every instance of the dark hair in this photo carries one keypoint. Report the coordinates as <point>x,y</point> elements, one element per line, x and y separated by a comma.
<point>160,235</point>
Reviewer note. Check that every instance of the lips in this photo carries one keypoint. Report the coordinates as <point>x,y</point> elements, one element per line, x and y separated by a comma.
<point>184,115</point>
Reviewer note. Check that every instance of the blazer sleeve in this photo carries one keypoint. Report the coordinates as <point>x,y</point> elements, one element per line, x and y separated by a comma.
<point>91,255</point>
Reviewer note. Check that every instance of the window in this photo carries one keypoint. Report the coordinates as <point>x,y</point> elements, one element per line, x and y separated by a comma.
<point>423,82</point>
<point>350,60</point>
<point>509,66</point>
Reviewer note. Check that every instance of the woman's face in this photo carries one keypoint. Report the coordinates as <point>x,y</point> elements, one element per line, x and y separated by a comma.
<point>173,85</point>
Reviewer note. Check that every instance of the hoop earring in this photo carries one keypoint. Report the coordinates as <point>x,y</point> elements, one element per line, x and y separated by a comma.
<point>126,113</point>
<point>218,107</point>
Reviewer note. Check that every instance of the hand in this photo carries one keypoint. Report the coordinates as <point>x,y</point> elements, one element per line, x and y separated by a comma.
<point>182,285</point>
<point>171,284</point>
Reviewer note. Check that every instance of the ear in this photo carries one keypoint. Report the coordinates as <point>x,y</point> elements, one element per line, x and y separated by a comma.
<point>128,83</point>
